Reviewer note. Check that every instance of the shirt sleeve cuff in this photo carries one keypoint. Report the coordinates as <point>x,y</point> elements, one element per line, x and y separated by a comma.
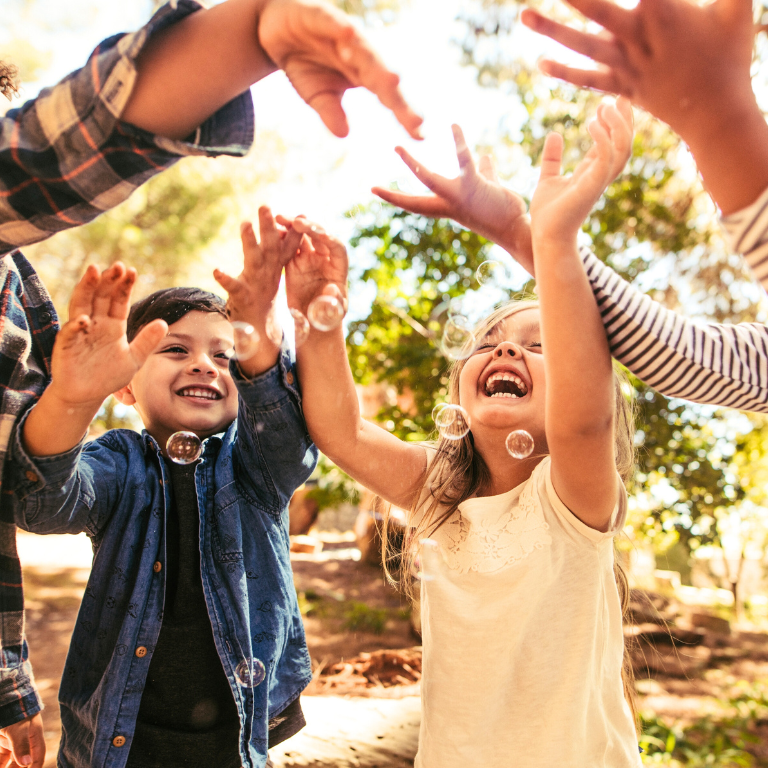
<point>110,76</point>
<point>25,474</point>
<point>268,390</point>
<point>19,698</point>
<point>746,232</point>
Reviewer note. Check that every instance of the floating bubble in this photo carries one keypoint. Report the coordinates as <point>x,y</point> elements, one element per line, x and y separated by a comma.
<point>325,312</point>
<point>426,562</point>
<point>458,341</point>
<point>456,307</point>
<point>439,407</point>
<point>452,422</point>
<point>274,330</point>
<point>183,447</point>
<point>519,444</point>
<point>300,327</point>
<point>246,341</point>
<point>250,673</point>
<point>491,272</point>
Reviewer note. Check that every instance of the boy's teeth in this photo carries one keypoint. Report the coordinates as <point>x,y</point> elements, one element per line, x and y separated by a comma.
<point>206,394</point>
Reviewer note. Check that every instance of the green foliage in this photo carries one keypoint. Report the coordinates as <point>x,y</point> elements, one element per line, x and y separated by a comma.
<point>362,618</point>
<point>420,264</point>
<point>334,487</point>
<point>708,742</point>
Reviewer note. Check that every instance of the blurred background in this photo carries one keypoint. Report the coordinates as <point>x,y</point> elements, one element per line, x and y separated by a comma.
<point>695,542</point>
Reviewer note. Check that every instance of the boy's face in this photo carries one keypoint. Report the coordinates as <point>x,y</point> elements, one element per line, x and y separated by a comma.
<point>185,383</point>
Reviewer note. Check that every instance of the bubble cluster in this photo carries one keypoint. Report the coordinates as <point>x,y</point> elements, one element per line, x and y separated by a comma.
<point>458,341</point>
<point>519,444</point>
<point>246,340</point>
<point>452,422</point>
<point>300,327</point>
<point>250,672</point>
<point>426,561</point>
<point>184,447</point>
<point>439,407</point>
<point>325,312</point>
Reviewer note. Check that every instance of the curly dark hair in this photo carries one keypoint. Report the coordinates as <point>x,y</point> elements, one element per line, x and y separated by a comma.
<point>9,85</point>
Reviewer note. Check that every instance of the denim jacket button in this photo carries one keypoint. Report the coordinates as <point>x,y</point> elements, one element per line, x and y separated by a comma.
<point>31,476</point>
<point>118,741</point>
<point>141,651</point>
<point>289,378</point>
<point>157,567</point>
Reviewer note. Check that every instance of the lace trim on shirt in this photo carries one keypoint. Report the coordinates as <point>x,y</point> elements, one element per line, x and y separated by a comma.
<point>491,545</point>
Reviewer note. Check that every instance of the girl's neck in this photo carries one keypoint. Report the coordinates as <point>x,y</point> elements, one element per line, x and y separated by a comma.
<point>506,473</point>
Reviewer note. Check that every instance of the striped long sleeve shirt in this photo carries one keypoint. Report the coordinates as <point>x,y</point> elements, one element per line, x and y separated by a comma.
<point>707,363</point>
<point>65,157</point>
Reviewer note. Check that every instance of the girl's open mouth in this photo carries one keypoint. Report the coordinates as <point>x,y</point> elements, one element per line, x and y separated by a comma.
<point>505,384</point>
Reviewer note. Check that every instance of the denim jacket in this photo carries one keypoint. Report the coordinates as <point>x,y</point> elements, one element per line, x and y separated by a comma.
<point>116,489</point>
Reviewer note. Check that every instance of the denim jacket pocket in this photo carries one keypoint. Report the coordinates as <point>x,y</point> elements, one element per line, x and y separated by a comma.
<point>226,531</point>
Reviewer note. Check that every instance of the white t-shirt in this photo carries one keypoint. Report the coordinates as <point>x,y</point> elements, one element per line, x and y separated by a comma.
<point>522,638</point>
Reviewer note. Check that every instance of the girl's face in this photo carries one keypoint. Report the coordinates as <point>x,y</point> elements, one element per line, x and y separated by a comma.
<point>502,384</point>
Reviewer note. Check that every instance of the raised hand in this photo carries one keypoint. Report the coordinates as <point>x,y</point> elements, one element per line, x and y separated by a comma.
<point>561,203</point>
<point>251,295</point>
<point>92,357</point>
<point>323,55</point>
<point>475,199</point>
<point>689,65</point>
<point>319,267</point>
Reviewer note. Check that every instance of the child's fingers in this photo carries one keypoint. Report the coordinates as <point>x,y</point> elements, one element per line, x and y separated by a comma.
<point>464,156</point>
<point>69,332</point>
<point>487,168</point>
<point>251,248</point>
<point>596,48</point>
<point>432,181</point>
<point>120,304</point>
<point>594,79</point>
<point>147,340</point>
<point>551,156</point>
<point>269,235</point>
<point>102,297</point>
<point>291,243</point>
<point>81,302</point>
<point>620,136</point>
<point>426,205</point>
<point>230,284</point>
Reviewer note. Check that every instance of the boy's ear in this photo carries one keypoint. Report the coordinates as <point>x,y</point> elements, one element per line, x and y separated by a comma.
<point>125,395</point>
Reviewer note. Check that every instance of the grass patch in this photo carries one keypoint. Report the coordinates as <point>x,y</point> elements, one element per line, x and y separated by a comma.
<point>360,617</point>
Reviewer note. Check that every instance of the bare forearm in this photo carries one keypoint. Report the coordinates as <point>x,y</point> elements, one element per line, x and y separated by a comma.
<point>54,427</point>
<point>576,354</point>
<point>189,71</point>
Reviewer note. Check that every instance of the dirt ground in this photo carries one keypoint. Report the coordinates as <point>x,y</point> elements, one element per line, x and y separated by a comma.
<point>362,711</point>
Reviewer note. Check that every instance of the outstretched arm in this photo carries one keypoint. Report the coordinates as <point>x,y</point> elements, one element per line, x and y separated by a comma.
<point>580,430</point>
<point>370,454</point>
<point>197,66</point>
<point>689,65</point>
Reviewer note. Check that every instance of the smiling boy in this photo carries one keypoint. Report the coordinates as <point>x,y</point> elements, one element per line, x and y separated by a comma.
<point>191,579</point>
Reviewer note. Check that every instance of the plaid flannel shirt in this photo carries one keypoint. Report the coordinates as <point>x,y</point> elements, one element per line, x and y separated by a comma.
<point>65,157</point>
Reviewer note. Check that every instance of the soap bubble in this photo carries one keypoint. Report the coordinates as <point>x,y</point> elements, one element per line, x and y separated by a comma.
<point>250,673</point>
<point>426,562</point>
<point>184,447</point>
<point>519,444</point>
<point>274,330</point>
<point>491,272</point>
<point>325,312</point>
<point>452,422</point>
<point>439,407</point>
<point>246,340</point>
<point>458,342</point>
<point>300,327</point>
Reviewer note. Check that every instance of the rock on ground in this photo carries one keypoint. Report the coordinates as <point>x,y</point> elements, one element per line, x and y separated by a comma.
<point>353,732</point>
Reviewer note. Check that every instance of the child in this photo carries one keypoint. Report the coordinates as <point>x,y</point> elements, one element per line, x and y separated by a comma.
<point>191,589</point>
<point>522,626</point>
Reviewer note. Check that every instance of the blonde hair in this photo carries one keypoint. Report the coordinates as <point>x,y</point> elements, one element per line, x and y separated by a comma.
<point>9,86</point>
<point>458,472</point>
